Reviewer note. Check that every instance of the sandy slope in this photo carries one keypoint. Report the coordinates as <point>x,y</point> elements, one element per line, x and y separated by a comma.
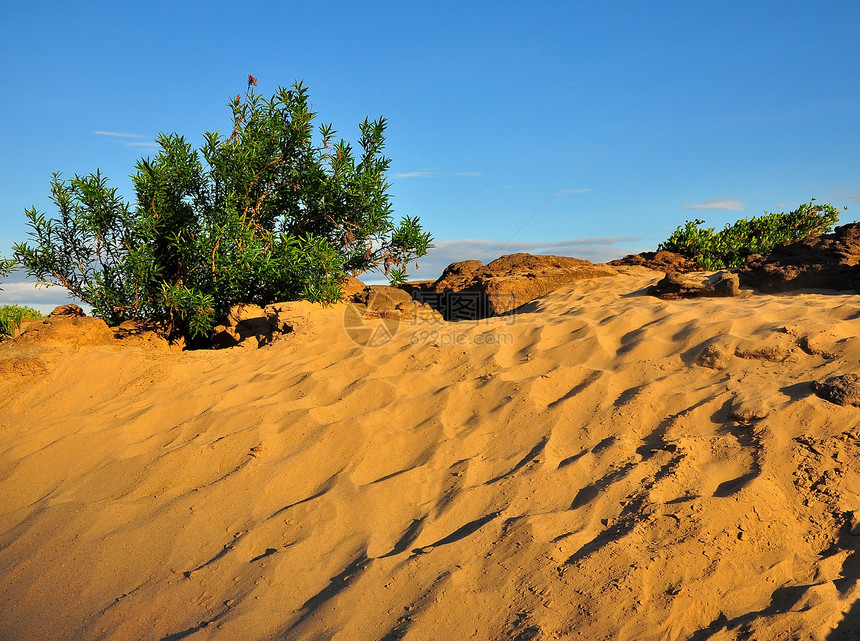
<point>573,472</point>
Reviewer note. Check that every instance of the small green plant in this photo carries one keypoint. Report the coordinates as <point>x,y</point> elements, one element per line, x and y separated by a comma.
<point>6,267</point>
<point>11,317</point>
<point>729,248</point>
<point>266,213</point>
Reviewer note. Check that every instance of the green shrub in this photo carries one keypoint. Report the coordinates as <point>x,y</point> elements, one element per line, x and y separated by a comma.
<point>731,246</point>
<point>11,317</point>
<point>6,266</point>
<point>263,214</point>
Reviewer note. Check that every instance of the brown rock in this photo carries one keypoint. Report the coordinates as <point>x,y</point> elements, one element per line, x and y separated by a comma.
<point>746,408</point>
<point>676,285</point>
<point>281,317</point>
<point>842,390</point>
<point>773,353</point>
<point>67,310</point>
<point>247,325</point>
<point>661,261</point>
<point>381,298</point>
<point>827,261</point>
<point>414,287</point>
<point>351,286</point>
<point>468,290</point>
<point>715,357</point>
<point>382,301</point>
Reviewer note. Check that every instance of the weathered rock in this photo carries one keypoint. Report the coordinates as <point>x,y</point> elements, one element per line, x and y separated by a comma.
<point>351,286</point>
<point>774,353</point>
<point>459,273</point>
<point>292,316</point>
<point>842,390</point>
<point>247,325</point>
<point>661,261</point>
<point>68,310</point>
<point>715,357</point>
<point>827,261</point>
<point>382,301</point>
<point>747,408</point>
<point>468,290</point>
<point>676,285</point>
<point>414,287</point>
<point>381,298</point>
<point>251,326</point>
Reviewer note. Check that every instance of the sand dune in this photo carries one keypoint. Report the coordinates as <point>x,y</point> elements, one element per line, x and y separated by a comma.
<point>579,470</point>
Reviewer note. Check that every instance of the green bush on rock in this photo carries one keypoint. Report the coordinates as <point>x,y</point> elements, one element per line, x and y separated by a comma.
<point>263,214</point>
<point>731,246</point>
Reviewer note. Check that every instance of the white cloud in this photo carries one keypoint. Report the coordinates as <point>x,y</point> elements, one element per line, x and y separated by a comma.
<point>143,145</point>
<point>19,290</point>
<point>118,134</point>
<point>126,139</point>
<point>423,173</point>
<point>718,203</point>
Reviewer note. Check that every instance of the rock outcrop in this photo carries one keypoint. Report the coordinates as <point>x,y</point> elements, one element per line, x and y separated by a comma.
<point>827,261</point>
<point>351,286</point>
<point>470,290</point>
<point>661,261</point>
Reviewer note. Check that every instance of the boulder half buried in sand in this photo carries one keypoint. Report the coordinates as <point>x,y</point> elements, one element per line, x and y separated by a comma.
<point>842,390</point>
<point>696,285</point>
<point>382,301</point>
<point>247,325</point>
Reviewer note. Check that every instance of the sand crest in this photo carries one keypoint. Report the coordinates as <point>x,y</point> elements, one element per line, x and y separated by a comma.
<point>600,465</point>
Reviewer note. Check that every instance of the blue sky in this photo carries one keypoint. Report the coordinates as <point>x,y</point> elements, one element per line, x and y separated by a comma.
<point>584,129</point>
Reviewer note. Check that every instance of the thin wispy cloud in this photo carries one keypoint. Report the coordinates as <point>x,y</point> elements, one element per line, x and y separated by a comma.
<point>118,134</point>
<point>19,289</point>
<point>575,191</point>
<point>718,203</point>
<point>127,139</point>
<point>143,145</point>
<point>423,173</point>
<point>846,195</point>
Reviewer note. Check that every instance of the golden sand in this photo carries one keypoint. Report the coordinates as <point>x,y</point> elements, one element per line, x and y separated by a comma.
<point>577,471</point>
